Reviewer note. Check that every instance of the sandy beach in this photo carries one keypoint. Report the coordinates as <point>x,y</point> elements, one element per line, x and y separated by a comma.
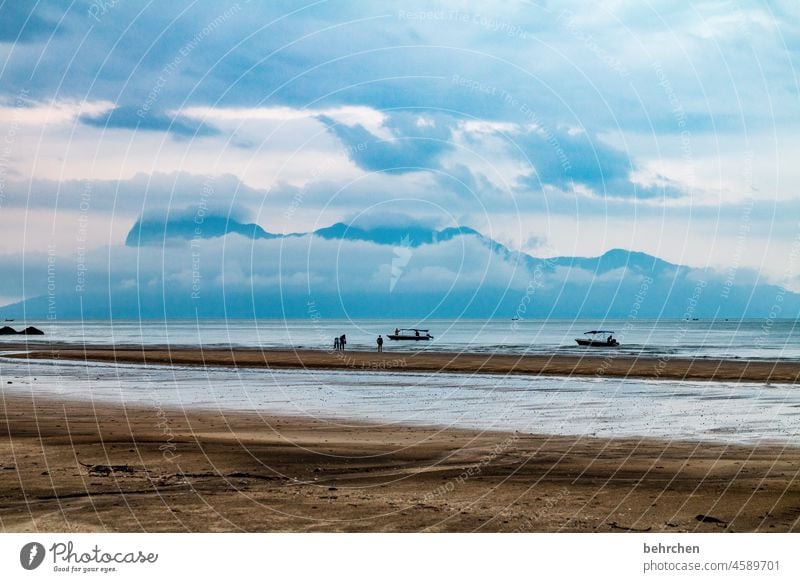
<point>79,466</point>
<point>605,364</point>
<point>71,466</point>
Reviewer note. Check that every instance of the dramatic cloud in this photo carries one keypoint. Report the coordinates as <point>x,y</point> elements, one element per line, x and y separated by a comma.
<point>664,127</point>
<point>566,159</point>
<point>415,142</point>
<point>131,118</point>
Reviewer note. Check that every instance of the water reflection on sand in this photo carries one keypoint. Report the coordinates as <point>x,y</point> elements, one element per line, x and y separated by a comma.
<point>606,407</point>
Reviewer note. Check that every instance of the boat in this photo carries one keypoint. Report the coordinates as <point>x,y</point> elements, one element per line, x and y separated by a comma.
<point>598,338</point>
<point>410,334</point>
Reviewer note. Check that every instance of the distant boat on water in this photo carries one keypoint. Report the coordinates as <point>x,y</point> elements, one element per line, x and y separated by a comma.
<point>410,334</point>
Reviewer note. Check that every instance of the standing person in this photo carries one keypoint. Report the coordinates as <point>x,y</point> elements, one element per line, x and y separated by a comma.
<point>336,344</point>
<point>380,343</point>
<point>342,342</point>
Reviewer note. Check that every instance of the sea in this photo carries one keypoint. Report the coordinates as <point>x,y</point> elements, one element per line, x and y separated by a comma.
<point>741,339</point>
<point>728,412</point>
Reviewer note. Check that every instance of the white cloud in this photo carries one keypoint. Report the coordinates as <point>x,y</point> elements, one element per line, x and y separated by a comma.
<point>369,117</point>
<point>25,112</point>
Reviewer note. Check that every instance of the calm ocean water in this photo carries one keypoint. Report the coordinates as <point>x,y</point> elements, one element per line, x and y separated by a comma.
<point>755,339</point>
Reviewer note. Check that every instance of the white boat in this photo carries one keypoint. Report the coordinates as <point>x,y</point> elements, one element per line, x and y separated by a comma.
<point>410,334</point>
<point>598,338</point>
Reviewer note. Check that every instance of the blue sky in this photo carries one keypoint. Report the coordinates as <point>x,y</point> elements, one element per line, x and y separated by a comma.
<point>556,128</point>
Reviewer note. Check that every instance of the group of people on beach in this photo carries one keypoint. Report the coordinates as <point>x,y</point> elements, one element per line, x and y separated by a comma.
<point>340,342</point>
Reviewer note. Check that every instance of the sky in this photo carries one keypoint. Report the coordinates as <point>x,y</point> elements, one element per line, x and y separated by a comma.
<point>566,128</point>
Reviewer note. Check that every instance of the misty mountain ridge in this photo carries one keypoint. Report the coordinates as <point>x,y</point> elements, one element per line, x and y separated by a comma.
<point>156,230</point>
<point>225,266</point>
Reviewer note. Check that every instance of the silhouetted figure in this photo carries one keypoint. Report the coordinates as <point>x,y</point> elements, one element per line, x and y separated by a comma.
<point>342,341</point>
<point>416,333</point>
<point>610,340</point>
<point>396,331</point>
<point>336,344</point>
<point>380,343</point>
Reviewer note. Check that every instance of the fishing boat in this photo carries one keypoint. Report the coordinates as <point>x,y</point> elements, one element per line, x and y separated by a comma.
<point>410,334</point>
<point>598,338</point>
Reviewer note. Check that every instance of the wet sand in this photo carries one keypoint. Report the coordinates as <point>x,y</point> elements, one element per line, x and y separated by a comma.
<point>606,363</point>
<point>71,466</point>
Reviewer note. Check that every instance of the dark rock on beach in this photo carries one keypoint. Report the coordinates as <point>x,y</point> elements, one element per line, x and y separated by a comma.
<point>6,330</point>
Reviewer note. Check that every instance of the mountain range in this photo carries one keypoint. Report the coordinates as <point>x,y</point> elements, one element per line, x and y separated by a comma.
<point>155,230</point>
<point>218,266</point>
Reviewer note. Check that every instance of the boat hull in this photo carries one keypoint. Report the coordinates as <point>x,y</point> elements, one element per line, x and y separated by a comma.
<point>410,338</point>
<point>597,344</point>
